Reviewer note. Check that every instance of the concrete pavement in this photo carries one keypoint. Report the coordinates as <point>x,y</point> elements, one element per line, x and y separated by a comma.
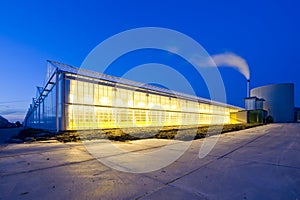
<point>257,163</point>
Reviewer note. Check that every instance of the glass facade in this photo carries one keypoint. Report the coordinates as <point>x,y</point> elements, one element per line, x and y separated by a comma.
<point>46,110</point>
<point>71,101</point>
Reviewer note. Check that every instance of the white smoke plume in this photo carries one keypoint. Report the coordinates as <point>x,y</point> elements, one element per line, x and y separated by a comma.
<point>232,60</point>
<point>226,59</point>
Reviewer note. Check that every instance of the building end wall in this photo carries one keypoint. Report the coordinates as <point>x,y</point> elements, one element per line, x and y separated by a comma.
<point>279,100</point>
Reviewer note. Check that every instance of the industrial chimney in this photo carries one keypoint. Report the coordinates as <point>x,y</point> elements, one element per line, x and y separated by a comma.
<point>248,88</point>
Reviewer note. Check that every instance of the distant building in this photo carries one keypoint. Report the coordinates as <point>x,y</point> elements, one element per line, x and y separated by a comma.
<point>254,103</point>
<point>279,101</point>
<point>79,99</point>
<point>297,114</point>
<point>253,113</point>
<point>3,122</point>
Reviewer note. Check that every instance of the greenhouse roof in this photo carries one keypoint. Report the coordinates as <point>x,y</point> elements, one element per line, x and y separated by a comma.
<point>92,74</point>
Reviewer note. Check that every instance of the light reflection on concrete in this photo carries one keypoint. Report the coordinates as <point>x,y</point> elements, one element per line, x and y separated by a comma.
<point>258,163</point>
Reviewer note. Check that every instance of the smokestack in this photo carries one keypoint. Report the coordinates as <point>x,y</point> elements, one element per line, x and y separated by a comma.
<point>248,88</point>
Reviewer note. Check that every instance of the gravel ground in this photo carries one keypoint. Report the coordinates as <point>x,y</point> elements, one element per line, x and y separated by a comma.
<point>126,134</point>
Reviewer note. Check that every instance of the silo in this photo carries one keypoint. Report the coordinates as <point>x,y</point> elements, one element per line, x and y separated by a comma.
<point>279,100</point>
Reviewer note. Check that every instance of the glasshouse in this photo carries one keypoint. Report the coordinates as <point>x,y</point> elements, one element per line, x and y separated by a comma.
<point>79,99</point>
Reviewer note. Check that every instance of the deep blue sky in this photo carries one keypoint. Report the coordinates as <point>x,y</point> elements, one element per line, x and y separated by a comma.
<point>265,33</point>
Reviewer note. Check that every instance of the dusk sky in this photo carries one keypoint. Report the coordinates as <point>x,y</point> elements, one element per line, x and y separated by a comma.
<point>264,33</point>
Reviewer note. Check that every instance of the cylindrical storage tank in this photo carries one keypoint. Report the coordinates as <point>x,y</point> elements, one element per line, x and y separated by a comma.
<point>279,100</point>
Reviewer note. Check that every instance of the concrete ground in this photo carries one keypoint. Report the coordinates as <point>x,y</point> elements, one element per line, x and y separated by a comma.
<point>258,163</point>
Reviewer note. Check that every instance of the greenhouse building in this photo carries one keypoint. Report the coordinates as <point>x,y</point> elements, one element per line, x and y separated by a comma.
<point>79,99</point>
